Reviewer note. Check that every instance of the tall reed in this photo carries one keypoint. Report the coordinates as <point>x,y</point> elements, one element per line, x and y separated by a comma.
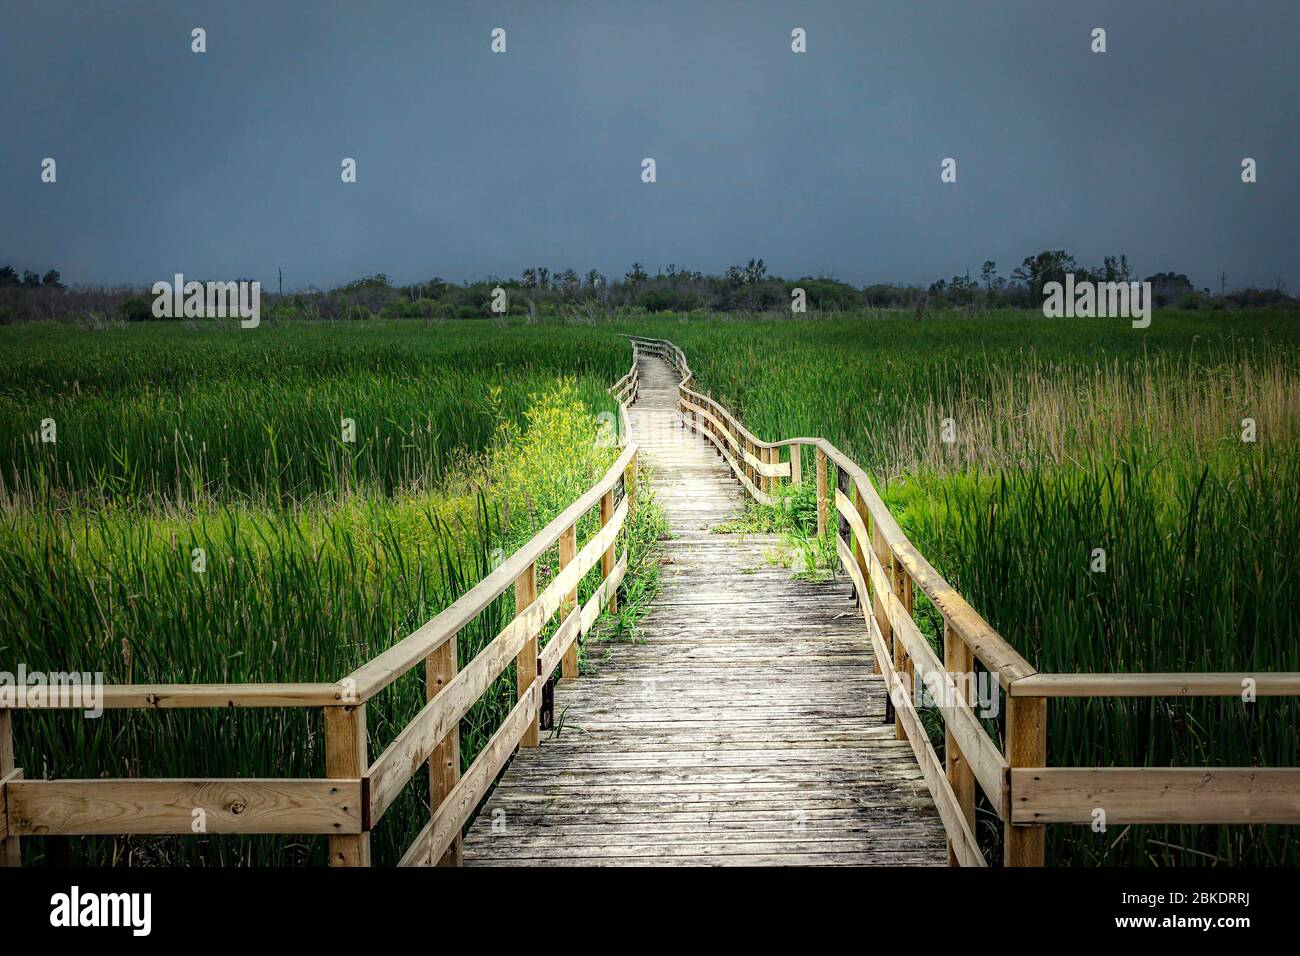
<point>198,520</point>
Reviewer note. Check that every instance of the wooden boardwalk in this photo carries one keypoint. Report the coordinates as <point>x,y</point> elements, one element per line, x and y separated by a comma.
<point>743,727</point>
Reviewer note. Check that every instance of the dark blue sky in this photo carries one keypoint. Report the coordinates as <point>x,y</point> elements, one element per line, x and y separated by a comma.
<point>227,164</point>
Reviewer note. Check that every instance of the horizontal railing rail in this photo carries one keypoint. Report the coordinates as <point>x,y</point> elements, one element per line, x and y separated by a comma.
<point>179,696</point>
<point>1266,684</point>
<point>886,569</point>
<point>379,672</point>
<point>356,792</point>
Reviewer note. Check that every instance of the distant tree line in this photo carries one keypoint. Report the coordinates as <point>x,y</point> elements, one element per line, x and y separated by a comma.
<point>1024,288</point>
<point>9,278</point>
<point>541,291</point>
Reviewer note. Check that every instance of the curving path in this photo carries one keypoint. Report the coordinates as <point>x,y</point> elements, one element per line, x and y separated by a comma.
<point>745,726</point>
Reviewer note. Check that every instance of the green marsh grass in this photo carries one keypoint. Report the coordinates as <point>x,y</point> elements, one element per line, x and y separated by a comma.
<point>161,415</point>
<point>313,564</point>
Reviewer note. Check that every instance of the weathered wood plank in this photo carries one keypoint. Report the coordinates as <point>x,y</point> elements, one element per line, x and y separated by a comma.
<point>236,805</point>
<point>1250,795</point>
<point>175,696</point>
<point>346,752</point>
<point>1278,684</point>
<point>1026,723</point>
<point>444,762</point>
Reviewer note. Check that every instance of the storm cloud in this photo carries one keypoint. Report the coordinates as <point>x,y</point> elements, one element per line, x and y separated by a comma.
<point>226,164</point>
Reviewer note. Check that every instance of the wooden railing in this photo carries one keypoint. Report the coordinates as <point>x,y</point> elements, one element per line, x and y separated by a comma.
<point>1025,793</point>
<point>356,791</point>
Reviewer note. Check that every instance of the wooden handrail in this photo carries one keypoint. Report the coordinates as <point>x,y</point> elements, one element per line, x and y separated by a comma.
<point>176,696</point>
<point>391,770</point>
<point>451,814</point>
<point>355,793</point>
<point>987,762</point>
<point>379,672</point>
<point>883,562</point>
<point>962,845</point>
<point>155,805</point>
<point>993,651</point>
<point>1175,795</point>
<point>1155,684</point>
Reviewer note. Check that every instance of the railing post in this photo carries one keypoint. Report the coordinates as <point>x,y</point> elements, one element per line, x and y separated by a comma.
<point>771,456</point>
<point>903,664</point>
<point>1026,747</point>
<point>717,429</point>
<point>607,559</point>
<point>526,659</point>
<point>851,492</point>
<point>823,515</point>
<point>796,466</point>
<point>346,759</point>
<point>881,549</point>
<point>568,550</point>
<point>960,663</point>
<point>845,485</point>
<point>10,852</point>
<point>864,566</point>
<point>444,763</point>
<point>629,483</point>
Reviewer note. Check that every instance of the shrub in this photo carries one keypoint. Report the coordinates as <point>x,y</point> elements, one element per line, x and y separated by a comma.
<point>137,309</point>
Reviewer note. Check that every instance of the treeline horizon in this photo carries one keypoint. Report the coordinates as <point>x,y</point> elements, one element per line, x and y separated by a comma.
<point>542,291</point>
